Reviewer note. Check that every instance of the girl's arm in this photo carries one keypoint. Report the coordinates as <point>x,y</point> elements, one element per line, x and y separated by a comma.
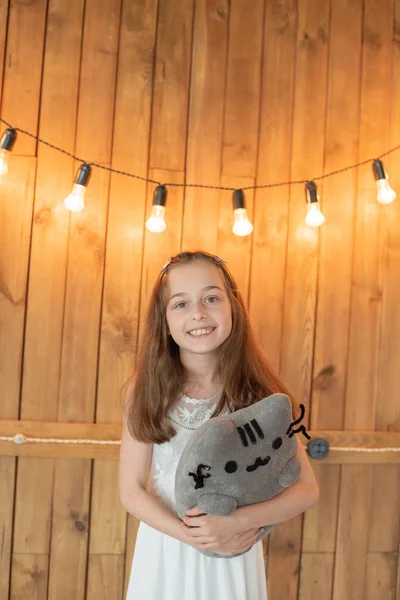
<point>134,466</point>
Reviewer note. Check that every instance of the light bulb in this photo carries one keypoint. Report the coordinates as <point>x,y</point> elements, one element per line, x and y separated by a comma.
<point>74,201</point>
<point>386,194</point>
<point>156,222</point>
<point>314,217</point>
<point>4,154</point>
<point>242,225</point>
<point>6,145</point>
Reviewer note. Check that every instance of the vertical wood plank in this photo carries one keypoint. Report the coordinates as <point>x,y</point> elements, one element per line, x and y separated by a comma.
<point>23,70</point>
<point>390,318</point>
<point>366,302</point>
<point>334,283</point>
<point>316,576</point>
<point>204,142</point>
<point>302,256</point>
<point>120,313</point>
<point>386,480</point>
<point>83,297</point>
<point>171,85</point>
<point>240,132</point>
<point>46,279</point>
<point>269,242</point>
<point>16,201</point>
<point>4,8</point>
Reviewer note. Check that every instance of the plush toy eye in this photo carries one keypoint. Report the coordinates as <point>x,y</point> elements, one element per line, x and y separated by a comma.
<point>231,466</point>
<point>277,443</point>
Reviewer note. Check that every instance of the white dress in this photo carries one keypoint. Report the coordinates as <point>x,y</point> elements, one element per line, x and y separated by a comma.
<point>165,568</point>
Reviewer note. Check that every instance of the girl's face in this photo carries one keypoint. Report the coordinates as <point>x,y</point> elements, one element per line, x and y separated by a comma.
<point>198,313</point>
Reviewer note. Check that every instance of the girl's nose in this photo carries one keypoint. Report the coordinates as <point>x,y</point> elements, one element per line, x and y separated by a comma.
<point>199,311</point>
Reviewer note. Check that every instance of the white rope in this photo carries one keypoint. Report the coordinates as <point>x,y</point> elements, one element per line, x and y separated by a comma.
<point>20,438</point>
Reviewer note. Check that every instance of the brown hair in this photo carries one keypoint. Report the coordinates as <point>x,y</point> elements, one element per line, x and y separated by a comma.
<point>159,376</point>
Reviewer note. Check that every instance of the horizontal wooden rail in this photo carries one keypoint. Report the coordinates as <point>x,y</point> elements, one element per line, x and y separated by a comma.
<point>102,441</point>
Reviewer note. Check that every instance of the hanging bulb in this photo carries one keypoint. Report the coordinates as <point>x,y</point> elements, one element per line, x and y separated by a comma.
<point>386,194</point>
<point>241,225</point>
<point>6,145</point>
<point>156,222</point>
<point>74,201</point>
<point>314,217</point>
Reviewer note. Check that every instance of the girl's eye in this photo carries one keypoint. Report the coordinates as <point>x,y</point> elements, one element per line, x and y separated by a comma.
<point>180,304</point>
<point>212,298</point>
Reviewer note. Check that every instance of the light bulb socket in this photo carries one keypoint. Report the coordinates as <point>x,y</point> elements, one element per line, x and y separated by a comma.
<point>378,169</point>
<point>8,139</point>
<point>160,196</point>
<point>311,192</point>
<point>238,200</point>
<point>83,175</point>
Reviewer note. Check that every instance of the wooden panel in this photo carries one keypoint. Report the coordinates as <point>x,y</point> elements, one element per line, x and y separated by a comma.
<point>7,483</point>
<point>366,302</point>
<point>269,238</point>
<point>302,257</point>
<point>171,85</point>
<point>385,501</point>
<point>242,102</point>
<point>105,577</point>
<point>29,577</point>
<point>203,161</point>
<point>46,273</point>
<point>381,576</point>
<point>16,200</point>
<point>240,136</point>
<point>4,11</point>
<point>23,70</point>
<point>316,576</point>
<point>334,284</point>
<point>120,314</point>
<point>83,296</point>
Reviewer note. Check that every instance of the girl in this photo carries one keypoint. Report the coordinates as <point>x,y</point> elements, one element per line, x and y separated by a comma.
<point>198,359</point>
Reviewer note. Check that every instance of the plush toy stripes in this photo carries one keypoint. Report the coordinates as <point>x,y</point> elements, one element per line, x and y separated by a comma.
<point>246,457</point>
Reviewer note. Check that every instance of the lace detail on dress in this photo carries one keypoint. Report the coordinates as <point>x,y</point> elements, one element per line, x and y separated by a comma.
<point>186,416</point>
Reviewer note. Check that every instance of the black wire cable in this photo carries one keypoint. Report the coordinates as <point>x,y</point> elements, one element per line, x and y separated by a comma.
<point>197,185</point>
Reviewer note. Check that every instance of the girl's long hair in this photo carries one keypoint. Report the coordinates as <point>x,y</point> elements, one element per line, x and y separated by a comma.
<point>159,376</point>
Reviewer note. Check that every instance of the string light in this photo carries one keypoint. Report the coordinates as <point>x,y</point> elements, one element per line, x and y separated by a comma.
<point>6,145</point>
<point>386,194</point>
<point>241,225</point>
<point>74,201</point>
<point>314,217</point>
<point>156,222</point>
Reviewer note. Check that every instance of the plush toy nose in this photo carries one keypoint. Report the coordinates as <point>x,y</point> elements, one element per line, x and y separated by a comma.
<point>259,462</point>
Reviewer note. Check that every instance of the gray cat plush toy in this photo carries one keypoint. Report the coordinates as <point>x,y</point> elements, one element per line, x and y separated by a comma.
<point>246,457</point>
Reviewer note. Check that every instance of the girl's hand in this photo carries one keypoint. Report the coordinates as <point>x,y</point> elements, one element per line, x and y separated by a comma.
<point>223,535</point>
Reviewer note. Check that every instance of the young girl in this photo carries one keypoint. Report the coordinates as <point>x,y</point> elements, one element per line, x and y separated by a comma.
<point>198,359</point>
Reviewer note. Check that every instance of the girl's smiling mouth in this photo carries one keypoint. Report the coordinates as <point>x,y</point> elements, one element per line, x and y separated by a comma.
<point>201,332</point>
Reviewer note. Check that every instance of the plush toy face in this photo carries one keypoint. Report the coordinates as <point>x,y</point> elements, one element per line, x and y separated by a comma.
<point>246,457</point>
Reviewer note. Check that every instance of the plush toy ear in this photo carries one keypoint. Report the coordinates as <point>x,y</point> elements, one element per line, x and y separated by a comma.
<point>212,437</point>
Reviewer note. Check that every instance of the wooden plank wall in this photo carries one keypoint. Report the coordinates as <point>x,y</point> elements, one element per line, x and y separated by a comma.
<point>225,93</point>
